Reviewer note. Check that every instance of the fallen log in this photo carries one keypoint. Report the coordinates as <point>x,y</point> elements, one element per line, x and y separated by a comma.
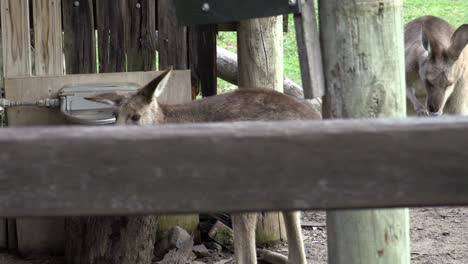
<point>226,63</point>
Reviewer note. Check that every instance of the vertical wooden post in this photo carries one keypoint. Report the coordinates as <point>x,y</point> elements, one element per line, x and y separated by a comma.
<point>260,47</point>
<point>3,221</point>
<point>44,235</point>
<point>17,58</point>
<point>173,51</point>
<point>202,55</point>
<point>362,43</point>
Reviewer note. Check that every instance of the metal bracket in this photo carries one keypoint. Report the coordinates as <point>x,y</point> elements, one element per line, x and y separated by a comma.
<point>192,12</point>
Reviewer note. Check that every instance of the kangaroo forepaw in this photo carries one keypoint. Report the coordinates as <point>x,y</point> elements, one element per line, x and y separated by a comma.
<point>422,112</point>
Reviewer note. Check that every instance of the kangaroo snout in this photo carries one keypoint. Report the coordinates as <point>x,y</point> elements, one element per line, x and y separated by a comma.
<point>435,104</point>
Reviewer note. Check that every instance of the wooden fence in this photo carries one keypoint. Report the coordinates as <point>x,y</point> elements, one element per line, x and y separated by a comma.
<point>349,164</point>
<point>122,171</point>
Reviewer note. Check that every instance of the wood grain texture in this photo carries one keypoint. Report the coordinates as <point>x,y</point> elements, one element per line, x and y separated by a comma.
<point>173,51</point>
<point>44,235</point>
<point>79,37</point>
<point>364,67</point>
<point>172,37</point>
<point>16,61</point>
<point>110,20</point>
<point>260,57</point>
<point>310,53</point>
<point>16,39</point>
<point>382,174</point>
<point>141,35</point>
<point>48,87</point>
<point>202,39</point>
<point>3,222</point>
<point>48,37</point>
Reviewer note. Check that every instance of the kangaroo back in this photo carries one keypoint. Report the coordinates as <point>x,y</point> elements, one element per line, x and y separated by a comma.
<point>245,104</point>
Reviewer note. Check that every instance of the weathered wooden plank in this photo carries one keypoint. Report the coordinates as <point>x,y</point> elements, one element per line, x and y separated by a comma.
<point>79,38</point>
<point>3,222</point>
<point>44,235</point>
<point>48,87</point>
<point>48,37</point>
<point>16,60</point>
<point>110,16</point>
<point>74,168</point>
<point>141,35</point>
<point>310,54</point>
<point>16,40</point>
<point>173,51</point>
<point>202,39</point>
<point>172,37</point>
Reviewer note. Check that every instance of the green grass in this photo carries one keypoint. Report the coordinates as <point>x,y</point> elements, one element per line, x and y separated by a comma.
<point>453,11</point>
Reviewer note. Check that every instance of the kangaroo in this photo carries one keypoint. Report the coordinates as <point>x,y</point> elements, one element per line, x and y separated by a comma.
<point>436,62</point>
<point>142,108</point>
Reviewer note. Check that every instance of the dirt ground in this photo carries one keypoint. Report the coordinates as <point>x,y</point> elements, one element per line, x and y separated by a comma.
<point>438,236</point>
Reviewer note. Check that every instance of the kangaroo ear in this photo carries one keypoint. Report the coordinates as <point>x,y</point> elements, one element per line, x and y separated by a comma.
<point>114,99</point>
<point>458,41</point>
<point>429,42</point>
<point>156,86</point>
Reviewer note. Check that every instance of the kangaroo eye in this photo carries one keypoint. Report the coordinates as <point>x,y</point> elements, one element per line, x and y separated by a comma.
<point>136,118</point>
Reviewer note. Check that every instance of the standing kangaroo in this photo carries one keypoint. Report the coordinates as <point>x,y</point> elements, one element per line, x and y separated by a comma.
<point>437,62</point>
<point>143,108</point>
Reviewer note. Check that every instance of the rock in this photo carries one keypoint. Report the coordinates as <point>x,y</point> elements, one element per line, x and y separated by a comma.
<point>200,251</point>
<point>223,235</point>
<point>173,239</point>
<point>214,246</point>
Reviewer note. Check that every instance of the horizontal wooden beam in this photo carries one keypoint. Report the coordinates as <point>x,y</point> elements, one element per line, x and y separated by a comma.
<point>251,166</point>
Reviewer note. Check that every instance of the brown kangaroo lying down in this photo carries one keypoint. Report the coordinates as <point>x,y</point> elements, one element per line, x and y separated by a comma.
<point>437,61</point>
<point>143,108</point>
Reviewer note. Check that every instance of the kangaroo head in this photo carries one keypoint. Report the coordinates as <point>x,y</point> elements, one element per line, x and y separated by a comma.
<point>437,66</point>
<point>141,108</point>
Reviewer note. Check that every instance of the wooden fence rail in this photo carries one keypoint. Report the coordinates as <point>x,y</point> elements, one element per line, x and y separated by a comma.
<point>252,167</point>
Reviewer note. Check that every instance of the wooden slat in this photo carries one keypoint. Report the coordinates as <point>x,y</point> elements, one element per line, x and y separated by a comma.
<point>310,54</point>
<point>16,60</point>
<point>79,39</point>
<point>44,235</point>
<point>141,35</point>
<point>48,87</point>
<point>16,40</point>
<point>3,222</point>
<point>172,37</point>
<point>203,58</point>
<point>48,37</point>
<point>173,48</point>
<point>329,164</point>
<point>111,37</point>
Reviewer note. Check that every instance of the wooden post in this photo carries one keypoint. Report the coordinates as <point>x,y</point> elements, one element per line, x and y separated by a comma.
<point>260,46</point>
<point>173,51</point>
<point>44,235</point>
<point>3,221</point>
<point>363,53</point>
<point>17,58</point>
